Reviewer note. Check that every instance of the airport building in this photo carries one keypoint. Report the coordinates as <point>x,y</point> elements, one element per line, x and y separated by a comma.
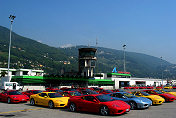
<point>85,78</point>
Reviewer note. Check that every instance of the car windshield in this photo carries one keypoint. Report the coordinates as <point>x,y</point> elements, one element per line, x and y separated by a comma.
<point>97,89</point>
<point>129,95</point>
<point>121,90</point>
<point>75,94</point>
<point>15,93</point>
<point>35,92</point>
<point>58,90</point>
<point>108,91</point>
<point>54,95</point>
<point>145,94</point>
<point>88,92</point>
<point>159,92</point>
<point>165,90</point>
<point>104,98</point>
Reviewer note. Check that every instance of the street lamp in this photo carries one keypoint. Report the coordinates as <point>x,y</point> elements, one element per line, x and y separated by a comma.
<point>124,64</point>
<point>161,70</point>
<point>11,21</point>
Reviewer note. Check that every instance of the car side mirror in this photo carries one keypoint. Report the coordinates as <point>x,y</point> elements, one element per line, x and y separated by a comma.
<point>5,93</point>
<point>94,100</point>
<point>45,96</point>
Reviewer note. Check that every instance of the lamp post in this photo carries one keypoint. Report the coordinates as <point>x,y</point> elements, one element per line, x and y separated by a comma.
<point>11,17</point>
<point>124,64</point>
<point>161,70</point>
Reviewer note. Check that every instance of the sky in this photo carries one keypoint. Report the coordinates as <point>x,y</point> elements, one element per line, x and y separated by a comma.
<point>144,26</point>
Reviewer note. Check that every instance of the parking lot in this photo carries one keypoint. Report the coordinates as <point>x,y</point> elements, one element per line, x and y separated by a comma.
<point>25,110</point>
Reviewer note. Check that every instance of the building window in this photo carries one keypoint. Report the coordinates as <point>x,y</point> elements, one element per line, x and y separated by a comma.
<point>13,72</point>
<point>25,72</point>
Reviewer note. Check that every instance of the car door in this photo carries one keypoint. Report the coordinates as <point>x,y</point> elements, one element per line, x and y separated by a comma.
<point>28,93</point>
<point>91,104</point>
<point>3,96</point>
<point>149,92</point>
<point>119,96</point>
<point>41,99</point>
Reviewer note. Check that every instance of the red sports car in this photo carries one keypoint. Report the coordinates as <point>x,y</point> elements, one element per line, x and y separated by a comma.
<point>142,87</point>
<point>128,87</point>
<point>13,97</point>
<point>31,92</point>
<point>166,96</point>
<point>105,91</point>
<point>149,87</point>
<point>55,90</point>
<point>98,103</point>
<point>96,89</point>
<point>159,87</point>
<point>67,89</point>
<point>120,90</point>
<point>174,87</point>
<point>70,93</point>
<point>81,89</point>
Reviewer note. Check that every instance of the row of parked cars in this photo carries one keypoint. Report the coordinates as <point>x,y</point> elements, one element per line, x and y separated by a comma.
<point>151,87</point>
<point>95,99</point>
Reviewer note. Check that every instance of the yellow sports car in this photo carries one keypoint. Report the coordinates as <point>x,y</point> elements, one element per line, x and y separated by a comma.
<point>166,91</point>
<point>156,99</point>
<point>50,99</point>
<point>168,87</point>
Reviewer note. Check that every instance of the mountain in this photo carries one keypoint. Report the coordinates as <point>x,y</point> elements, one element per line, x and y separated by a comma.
<point>28,53</point>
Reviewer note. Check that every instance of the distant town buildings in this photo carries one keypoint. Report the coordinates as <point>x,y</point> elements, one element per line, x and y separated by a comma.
<point>21,72</point>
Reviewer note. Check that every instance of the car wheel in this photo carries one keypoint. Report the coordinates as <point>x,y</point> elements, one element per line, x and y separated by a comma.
<point>104,111</point>
<point>72,107</point>
<point>51,104</point>
<point>8,100</point>
<point>32,102</point>
<point>133,105</point>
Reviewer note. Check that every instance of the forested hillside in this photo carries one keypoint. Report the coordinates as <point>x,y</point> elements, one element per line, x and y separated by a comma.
<point>28,53</point>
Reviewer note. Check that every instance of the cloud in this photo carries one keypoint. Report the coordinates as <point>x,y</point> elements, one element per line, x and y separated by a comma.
<point>39,41</point>
<point>66,46</point>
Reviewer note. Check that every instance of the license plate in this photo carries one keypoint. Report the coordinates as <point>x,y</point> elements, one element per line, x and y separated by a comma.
<point>23,99</point>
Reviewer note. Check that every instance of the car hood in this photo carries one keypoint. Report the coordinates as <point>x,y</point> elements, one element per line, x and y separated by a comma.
<point>20,96</point>
<point>169,95</point>
<point>141,99</point>
<point>60,99</point>
<point>156,97</point>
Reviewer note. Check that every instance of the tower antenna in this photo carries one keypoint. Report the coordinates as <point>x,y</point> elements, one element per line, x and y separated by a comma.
<point>97,54</point>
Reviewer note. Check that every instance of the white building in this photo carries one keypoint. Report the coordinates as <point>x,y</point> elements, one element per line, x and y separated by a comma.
<point>22,72</point>
<point>122,80</point>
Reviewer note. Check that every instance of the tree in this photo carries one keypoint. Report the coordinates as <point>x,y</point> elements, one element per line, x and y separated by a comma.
<point>3,73</point>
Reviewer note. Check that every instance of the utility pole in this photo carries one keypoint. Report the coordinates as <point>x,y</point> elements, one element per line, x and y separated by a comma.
<point>97,54</point>
<point>124,64</point>
<point>11,21</point>
<point>161,70</point>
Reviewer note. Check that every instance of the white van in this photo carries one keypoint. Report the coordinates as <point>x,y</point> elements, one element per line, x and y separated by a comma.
<point>11,86</point>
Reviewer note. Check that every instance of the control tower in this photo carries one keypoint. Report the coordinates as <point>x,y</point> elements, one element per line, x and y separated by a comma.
<point>87,61</point>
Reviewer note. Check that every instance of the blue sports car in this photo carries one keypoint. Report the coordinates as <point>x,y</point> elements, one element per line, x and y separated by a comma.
<point>133,101</point>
